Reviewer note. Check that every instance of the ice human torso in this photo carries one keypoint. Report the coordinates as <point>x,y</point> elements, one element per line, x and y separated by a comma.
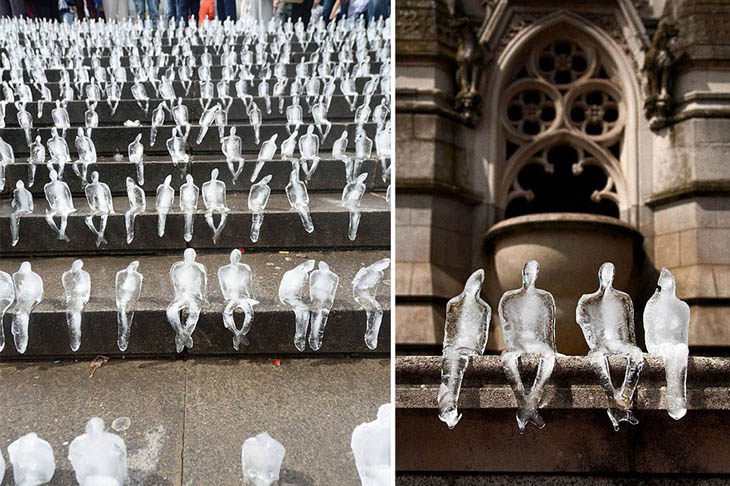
<point>527,315</point>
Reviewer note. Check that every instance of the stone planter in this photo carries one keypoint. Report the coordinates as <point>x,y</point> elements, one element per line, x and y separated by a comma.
<point>570,247</point>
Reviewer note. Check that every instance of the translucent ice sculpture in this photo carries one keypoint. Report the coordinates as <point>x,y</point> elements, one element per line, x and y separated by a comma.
<point>91,117</point>
<point>87,155</point>
<point>136,154</point>
<point>666,332</point>
<point>258,198</point>
<point>60,204</point>
<point>60,118</point>
<point>28,293</point>
<point>22,204</point>
<point>261,459</point>
<point>7,157</point>
<point>99,197</point>
<point>113,95</point>
<point>364,289</point>
<point>176,149</point>
<point>25,121</point>
<point>137,205</point>
<point>291,293</point>
<point>232,148</point>
<point>348,88</point>
<point>309,151</point>
<point>293,117</point>
<point>36,157</point>
<point>140,95</point>
<point>339,152</point>
<point>214,198</point>
<point>189,193</point>
<point>99,458</point>
<point>190,284</point>
<point>465,334</point>
<point>527,315</point>
<point>607,320</point>
<point>296,193</point>
<point>128,286</point>
<point>58,151</point>
<point>363,149</point>
<point>77,287</point>
<point>32,459</point>
<point>370,445</point>
<point>362,114</point>
<point>207,119</point>
<point>322,288</point>
<point>163,204</point>
<point>351,197</point>
<point>235,280</point>
<point>255,118</point>
<point>289,146</point>
<point>7,297</point>
<point>266,153</point>
<point>319,113</point>
<point>158,119</point>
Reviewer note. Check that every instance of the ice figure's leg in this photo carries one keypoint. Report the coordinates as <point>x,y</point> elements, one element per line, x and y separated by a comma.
<point>301,316</point>
<point>153,135</point>
<point>73,320</point>
<point>256,170</point>
<point>310,169</point>
<point>510,365</point>
<point>4,304</point>
<point>257,219</point>
<point>20,330</point>
<point>303,211</point>
<point>544,370</point>
<point>452,373</point>
<point>191,323</point>
<point>76,169</point>
<point>232,170</point>
<point>374,317</point>
<point>211,224</point>
<point>187,133</point>
<point>129,218</point>
<point>281,106</point>
<point>2,177</point>
<point>356,168</point>
<point>220,227</point>
<point>675,366</point>
<point>84,173</point>
<point>348,169</point>
<point>49,219</point>
<point>31,174</point>
<point>161,219</point>
<point>328,124</point>
<point>268,105</point>
<point>239,170</point>
<point>256,132</point>
<point>617,416</point>
<point>140,173</point>
<point>61,167</point>
<point>317,324</point>
<point>634,365</point>
<point>62,228</point>
<point>102,228</point>
<point>124,322</point>
<point>599,363</point>
<point>354,224</point>
<point>229,323</point>
<point>14,228</point>
<point>188,225</point>
<point>173,317</point>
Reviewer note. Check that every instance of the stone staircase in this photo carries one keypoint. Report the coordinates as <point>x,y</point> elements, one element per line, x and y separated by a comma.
<point>190,412</point>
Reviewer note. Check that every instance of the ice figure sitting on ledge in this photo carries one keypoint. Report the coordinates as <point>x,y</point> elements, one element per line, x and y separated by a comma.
<point>36,157</point>
<point>60,204</point>
<point>158,119</point>
<point>291,293</point>
<point>87,155</point>
<point>32,459</point>
<point>261,459</point>
<point>28,293</point>
<point>214,198</point>
<point>465,334</point>
<point>99,197</point>
<point>527,315</point>
<point>235,280</point>
<point>60,118</point>
<point>370,445</point>
<point>77,287</point>
<point>99,458</point>
<point>22,204</point>
<point>7,297</point>
<point>351,198</point>
<point>58,151</point>
<point>128,286</point>
<point>189,193</point>
<point>136,154</point>
<point>296,193</point>
<point>364,289</point>
<point>7,157</point>
<point>163,204</point>
<point>137,205</point>
<point>322,289</point>
<point>232,147</point>
<point>607,320</point>
<point>176,148</point>
<point>666,331</point>
<point>309,151</point>
<point>190,284</point>
<point>258,198</point>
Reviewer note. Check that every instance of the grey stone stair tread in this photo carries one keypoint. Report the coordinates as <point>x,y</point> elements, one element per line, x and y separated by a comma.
<point>273,325</point>
<point>281,228</point>
<point>330,175</point>
<point>172,440</point>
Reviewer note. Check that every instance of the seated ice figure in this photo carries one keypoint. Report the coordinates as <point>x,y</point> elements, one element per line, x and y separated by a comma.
<point>99,197</point>
<point>666,332</point>
<point>99,458</point>
<point>36,157</point>
<point>87,155</point>
<point>190,284</point>
<point>189,193</point>
<point>351,198</point>
<point>214,198</point>
<point>261,459</point>
<point>296,193</point>
<point>322,289</point>
<point>7,157</point>
<point>235,280</point>
<point>255,119</point>
<point>364,289</point>
<point>22,204</point>
<point>77,287</point>
<point>128,285</point>
<point>60,204</point>
<point>60,118</point>
<point>465,334</point>
<point>136,154</point>
<point>58,151</point>
<point>232,148</point>
<point>291,293</point>
<point>137,205</point>
<point>527,316</point>
<point>7,297</point>
<point>258,198</point>
<point>319,113</point>
<point>163,204</point>
<point>176,148</point>
<point>309,151</point>
<point>370,444</point>
<point>32,459</point>
<point>607,320</point>
<point>266,153</point>
<point>158,119</point>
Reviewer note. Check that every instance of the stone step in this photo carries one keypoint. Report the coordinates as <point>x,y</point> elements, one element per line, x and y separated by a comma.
<point>330,175</point>
<point>281,229</point>
<point>272,331</point>
<point>189,418</point>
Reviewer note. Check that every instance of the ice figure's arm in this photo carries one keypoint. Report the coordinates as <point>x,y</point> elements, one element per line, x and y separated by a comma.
<point>583,319</point>
<point>630,319</point>
<point>484,326</point>
<point>205,281</point>
<point>551,325</point>
<point>109,200</point>
<point>650,319</point>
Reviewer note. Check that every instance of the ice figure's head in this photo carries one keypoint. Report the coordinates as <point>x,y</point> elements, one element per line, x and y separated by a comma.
<point>189,255</point>
<point>133,266</point>
<point>38,139</point>
<point>53,175</point>
<point>310,129</point>
<point>606,274</point>
<point>168,180</point>
<point>25,267</point>
<point>473,286</point>
<point>95,426</point>
<point>530,272</point>
<point>273,138</point>
<point>361,178</point>
<point>77,265</point>
<point>235,256</point>
<point>19,184</point>
<point>214,174</point>
<point>58,103</point>
<point>138,137</point>
<point>233,131</point>
<point>80,132</point>
<point>130,182</point>
<point>189,178</point>
<point>94,177</point>
<point>666,281</point>
<point>265,180</point>
<point>323,267</point>
<point>344,134</point>
<point>54,132</point>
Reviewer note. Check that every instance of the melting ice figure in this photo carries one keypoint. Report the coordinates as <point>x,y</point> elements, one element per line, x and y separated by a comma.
<point>7,157</point>
<point>99,197</point>
<point>136,153</point>
<point>190,284</point>
<point>309,151</point>
<point>99,458</point>
<point>235,280</point>
<point>176,149</point>
<point>351,198</point>
<point>465,334</point>
<point>60,202</point>
<point>137,205</point>
<point>296,193</point>
<point>87,155</point>
<point>22,204</point>
<point>232,148</point>
<point>163,204</point>
<point>32,459</point>
<point>266,153</point>
<point>261,459</point>
<point>60,118</point>
<point>291,293</point>
<point>322,288</point>
<point>258,198</point>
<point>189,193</point>
<point>370,445</point>
<point>77,287</point>
<point>7,297</point>
<point>158,119</point>
<point>28,293</point>
<point>58,151</point>
<point>128,286</point>
<point>214,198</point>
<point>36,157</point>
<point>364,289</point>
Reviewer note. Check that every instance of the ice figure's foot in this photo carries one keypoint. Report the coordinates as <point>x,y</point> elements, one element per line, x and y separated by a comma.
<point>526,416</point>
<point>300,342</point>
<point>622,402</point>
<point>617,416</point>
<point>239,339</point>
<point>450,417</point>
<point>676,407</point>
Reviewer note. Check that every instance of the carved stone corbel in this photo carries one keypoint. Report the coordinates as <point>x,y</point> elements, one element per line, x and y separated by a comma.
<point>658,62</point>
<point>470,61</point>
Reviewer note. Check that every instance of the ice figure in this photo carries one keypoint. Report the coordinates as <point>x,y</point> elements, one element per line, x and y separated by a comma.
<point>7,157</point>
<point>137,205</point>
<point>339,152</point>
<point>128,285</point>
<point>232,148</point>
<point>266,153</point>
<point>91,117</point>
<point>60,118</point>
<point>465,334</point>
<point>207,119</point>
<point>140,95</point>
<point>25,121</point>
<point>666,331</point>
<point>235,280</point>
<point>293,118</point>
<point>296,193</point>
<point>289,146</point>
<point>58,151</point>
<point>158,119</point>
<point>319,113</point>
<point>607,320</point>
<point>322,289</point>
<point>351,197</point>
<point>7,297</point>
<point>190,283</point>
<point>28,293</point>
<point>349,89</point>
<point>527,316</point>
<point>32,459</point>
<point>136,153</point>
<point>363,149</point>
<point>291,293</point>
<point>383,149</point>
<point>163,204</point>
<point>258,198</point>
<point>36,157</point>
<point>22,204</point>
<point>263,92</point>
<point>309,150</point>
<point>87,155</point>
<point>189,193</point>
<point>364,289</point>
<point>370,445</point>
<point>60,204</point>
<point>77,287</point>
<point>214,198</point>
<point>99,197</point>
<point>255,118</point>
<point>99,458</point>
<point>113,95</point>
<point>176,148</point>
<point>261,459</point>
<point>380,113</point>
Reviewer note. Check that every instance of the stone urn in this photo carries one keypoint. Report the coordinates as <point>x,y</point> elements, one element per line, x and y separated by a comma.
<point>570,247</point>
